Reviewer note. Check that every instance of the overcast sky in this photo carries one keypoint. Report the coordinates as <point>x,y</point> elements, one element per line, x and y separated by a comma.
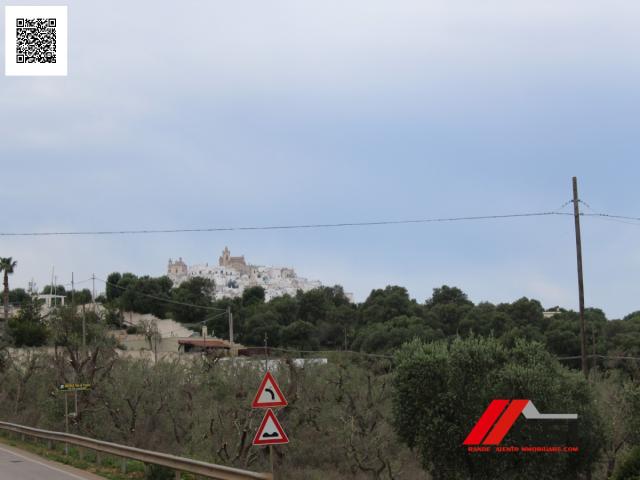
<point>237,113</point>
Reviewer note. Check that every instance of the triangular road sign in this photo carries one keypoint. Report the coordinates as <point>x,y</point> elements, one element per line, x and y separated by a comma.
<point>269,394</point>
<point>270,431</point>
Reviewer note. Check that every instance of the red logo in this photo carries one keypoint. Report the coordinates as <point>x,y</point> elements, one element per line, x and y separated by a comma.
<point>501,415</point>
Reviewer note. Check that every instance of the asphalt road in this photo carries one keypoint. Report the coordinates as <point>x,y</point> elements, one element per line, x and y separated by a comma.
<point>18,465</point>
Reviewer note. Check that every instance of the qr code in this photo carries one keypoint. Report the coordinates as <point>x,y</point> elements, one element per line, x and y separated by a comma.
<point>35,40</point>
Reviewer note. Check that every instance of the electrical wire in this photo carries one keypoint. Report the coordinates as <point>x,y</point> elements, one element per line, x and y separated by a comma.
<point>612,217</point>
<point>604,357</point>
<point>563,205</point>
<point>167,300</point>
<point>284,227</point>
<point>352,352</point>
<point>609,217</point>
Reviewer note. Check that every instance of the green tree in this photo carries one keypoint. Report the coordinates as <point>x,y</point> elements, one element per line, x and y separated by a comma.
<point>82,343</point>
<point>629,468</point>
<point>28,329</point>
<point>563,334</point>
<point>193,299</point>
<point>18,295</point>
<point>142,294</point>
<point>7,266</point>
<point>259,324</point>
<point>525,311</point>
<point>384,304</point>
<point>618,401</point>
<point>446,308</point>
<point>111,289</point>
<point>388,336</point>
<point>80,297</point>
<point>56,289</point>
<point>484,319</point>
<point>623,336</point>
<point>286,307</point>
<point>448,295</point>
<point>301,335</point>
<point>441,389</point>
<point>252,296</point>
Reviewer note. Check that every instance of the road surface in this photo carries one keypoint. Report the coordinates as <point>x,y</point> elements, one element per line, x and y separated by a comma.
<point>19,465</point>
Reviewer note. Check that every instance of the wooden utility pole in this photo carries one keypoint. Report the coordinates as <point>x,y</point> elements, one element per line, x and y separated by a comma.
<point>266,354</point>
<point>230,316</point>
<point>93,291</point>
<point>576,216</point>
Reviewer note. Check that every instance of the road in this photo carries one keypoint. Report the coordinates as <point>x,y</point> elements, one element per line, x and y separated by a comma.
<point>19,465</point>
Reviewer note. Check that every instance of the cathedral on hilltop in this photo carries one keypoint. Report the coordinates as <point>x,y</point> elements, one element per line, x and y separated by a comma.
<point>237,263</point>
<point>233,274</point>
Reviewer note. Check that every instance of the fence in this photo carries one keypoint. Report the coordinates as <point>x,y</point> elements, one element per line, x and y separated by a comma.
<point>179,464</point>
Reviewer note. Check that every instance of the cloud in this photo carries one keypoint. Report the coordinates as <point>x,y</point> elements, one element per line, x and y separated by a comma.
<point>254,113</point>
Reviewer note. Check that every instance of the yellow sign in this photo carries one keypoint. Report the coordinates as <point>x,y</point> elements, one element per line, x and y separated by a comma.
<point>65,387</point>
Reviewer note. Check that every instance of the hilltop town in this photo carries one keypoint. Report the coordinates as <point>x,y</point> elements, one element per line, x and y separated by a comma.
<point>233,274</point>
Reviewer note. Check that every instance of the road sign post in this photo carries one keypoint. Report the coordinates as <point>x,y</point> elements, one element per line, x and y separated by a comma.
<point>65,388</point>
<point>268,396</point>
<point>66,421</point>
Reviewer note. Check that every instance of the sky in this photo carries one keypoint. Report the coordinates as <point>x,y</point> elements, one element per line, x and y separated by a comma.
<point>214,114</point>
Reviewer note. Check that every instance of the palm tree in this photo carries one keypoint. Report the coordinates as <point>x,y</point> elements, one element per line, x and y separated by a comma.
<point>7,265</point>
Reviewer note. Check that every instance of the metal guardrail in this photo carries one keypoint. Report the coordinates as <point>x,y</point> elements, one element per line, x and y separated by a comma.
<point>179,464</point>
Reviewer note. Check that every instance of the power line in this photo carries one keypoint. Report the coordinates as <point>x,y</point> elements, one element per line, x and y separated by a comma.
<point>604,357</point>
<point>77,283</point>
<point>282,227</point>
<point>564,205</point>
<point>609,217</point>
<point>162,299</point>
<point>352,352</point>
<point>613,217</point>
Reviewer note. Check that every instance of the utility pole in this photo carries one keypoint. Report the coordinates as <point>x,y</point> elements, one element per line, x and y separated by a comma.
<point>266,353</point>
<point>345,338</point>
<point>583,341</point>
<point>84,329</point>
<point>93,291</point>
<point>230,315</point>
<point>204,337</point>
<point>51,292</point>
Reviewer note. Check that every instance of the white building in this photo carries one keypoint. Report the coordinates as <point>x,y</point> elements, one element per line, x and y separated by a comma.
<point>232,275</point>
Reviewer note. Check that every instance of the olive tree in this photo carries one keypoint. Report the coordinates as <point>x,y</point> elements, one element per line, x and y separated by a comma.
<point>442,389</point>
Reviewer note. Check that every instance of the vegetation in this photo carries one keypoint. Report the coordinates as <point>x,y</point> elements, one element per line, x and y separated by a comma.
<point>7,266</point>
<point>630,466</point>
<point>324,319</point>
<point>339,414</point>
<point>28,328</point>
<point>405,382</point>
<point>443,388</point>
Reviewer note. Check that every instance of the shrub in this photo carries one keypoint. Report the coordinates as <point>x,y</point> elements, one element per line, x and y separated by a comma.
<point>157,472</point>
<point>629,467</point>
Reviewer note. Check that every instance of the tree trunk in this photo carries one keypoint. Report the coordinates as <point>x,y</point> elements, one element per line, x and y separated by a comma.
<point>6,296</point>
<point>611,465</point>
